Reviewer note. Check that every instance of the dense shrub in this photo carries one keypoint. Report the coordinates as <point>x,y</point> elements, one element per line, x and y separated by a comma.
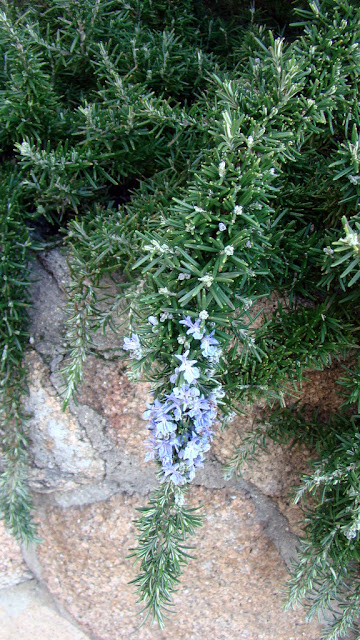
<point>214,162</point>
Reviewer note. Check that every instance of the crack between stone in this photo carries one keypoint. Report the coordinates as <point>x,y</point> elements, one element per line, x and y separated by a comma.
<point>31,560</point>
<point>49,271</point>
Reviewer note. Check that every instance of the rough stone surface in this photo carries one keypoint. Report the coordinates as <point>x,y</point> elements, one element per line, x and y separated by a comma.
<point>121,402</point>
<point>55,263</point>
<point>47,314</point>
<point>89,476</point>
<point>61,450</point>
<point>232,589</point>
<point>13,570</point>
<point>27,612</point>
<point>78,447</point>
<point>107,418</point>
<point>321,392</point>
<point>275,470</point>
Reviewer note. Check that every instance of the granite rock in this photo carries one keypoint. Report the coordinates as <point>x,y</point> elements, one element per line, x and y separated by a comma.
<point>233,589</point>
<point>27,612</point>
<point>13,569</point>
<point>89,476</point>
<point>61,451</point>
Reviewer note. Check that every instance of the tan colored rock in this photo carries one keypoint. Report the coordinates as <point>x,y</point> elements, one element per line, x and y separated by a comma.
<point>234,588</point>
<point>27,612</point>
<point>61,450</point>
<point>320,391</point>
<point>275,470</point>
<point>107,389</point>
<point>12,567</point>
<point>231,590</point>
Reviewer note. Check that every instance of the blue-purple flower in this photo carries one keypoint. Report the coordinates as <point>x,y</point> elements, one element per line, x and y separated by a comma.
<point>190,372</point>
<point>208,345</point>
<point>171,471</point>
<point>181,422</point>
<point>133,343</point>
<point>194,328</point>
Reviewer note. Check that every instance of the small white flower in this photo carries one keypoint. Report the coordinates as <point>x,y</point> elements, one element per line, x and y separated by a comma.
<point>229,250</point>
<point>181,339</point>
<point>351,239</point>
<point>218,392</point>
<point>199,210</point>
<point>179,499</point>
<point>222,169</point>
<point>272,171</point>
<point>215,356</point>
<point>354,179</point>
<point>247,302</point>
<point>155,246</point>
<point>222,226</point>
<point>351,533</point>
<point>328,251</point>
<point>250,141</point>
<point>248,243</point>
<point>153,320</point>
<point>189,227</point>
<point>207,279</point>
<point>184,276</point>
<point>229,418</point>
<point>166,316</point>
<point>25,148</point>
<point>164,291</point>
<point>203,315</point>
<point>210,372</point>
<point>238,210</point>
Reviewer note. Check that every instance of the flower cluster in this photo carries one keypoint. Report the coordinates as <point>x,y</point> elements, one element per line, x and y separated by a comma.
<point>181,421</point>
<point>134,346</point>
<point>181,431</point>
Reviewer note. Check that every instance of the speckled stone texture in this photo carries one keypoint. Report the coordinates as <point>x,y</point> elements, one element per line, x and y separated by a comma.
<point>27,612</point>
<point>62,451</point>
<point>232,590</point>
<point>12,567</point>
<point>89,475</point>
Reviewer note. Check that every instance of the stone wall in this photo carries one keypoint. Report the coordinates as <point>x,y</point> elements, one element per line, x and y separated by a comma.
<point>88,477</point>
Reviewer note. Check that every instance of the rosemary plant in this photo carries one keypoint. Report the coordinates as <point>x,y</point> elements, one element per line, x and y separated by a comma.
<point>209,153</point>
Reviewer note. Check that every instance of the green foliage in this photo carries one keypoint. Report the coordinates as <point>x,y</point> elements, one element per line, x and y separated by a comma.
<point>327,571</point>
<point>326,575</point>
<point>164,526</point>
<point>203,164</point>
<point>15,500</point>
<point>350,383</point>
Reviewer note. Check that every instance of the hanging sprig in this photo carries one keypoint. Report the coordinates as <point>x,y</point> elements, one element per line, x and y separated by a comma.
<point>164,527</point>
